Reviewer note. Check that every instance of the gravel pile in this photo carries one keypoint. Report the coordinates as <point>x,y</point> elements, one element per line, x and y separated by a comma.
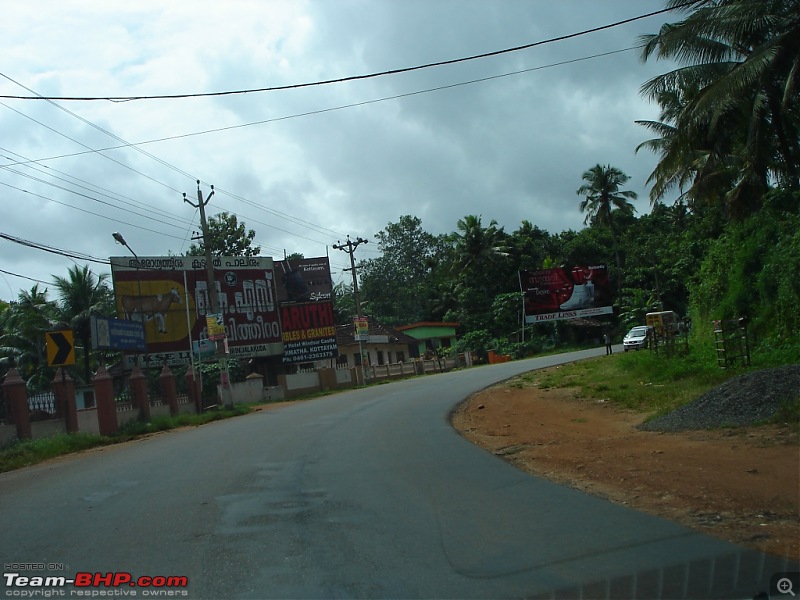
<point>743,400</point>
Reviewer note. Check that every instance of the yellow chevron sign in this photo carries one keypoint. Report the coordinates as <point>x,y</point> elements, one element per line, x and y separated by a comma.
<point>60,348</point>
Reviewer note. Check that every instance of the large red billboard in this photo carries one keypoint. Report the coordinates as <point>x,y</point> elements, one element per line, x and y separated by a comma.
<point>305,295</point>
<point>566,293</point>
<point>170,295</point>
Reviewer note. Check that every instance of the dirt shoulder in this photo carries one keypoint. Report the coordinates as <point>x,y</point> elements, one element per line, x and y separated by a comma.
<point>739,484</point>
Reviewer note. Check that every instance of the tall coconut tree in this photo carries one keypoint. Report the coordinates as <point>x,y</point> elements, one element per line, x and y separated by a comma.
<point>602,196</point>
<point>479,255</point>
<point>81,295</point>
<point>739,74</point>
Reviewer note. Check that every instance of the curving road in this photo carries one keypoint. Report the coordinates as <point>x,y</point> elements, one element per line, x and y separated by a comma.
<point>365,494</point>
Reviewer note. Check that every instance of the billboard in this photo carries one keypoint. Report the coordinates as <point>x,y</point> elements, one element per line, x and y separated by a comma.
<point>305,293</point>
<point>566,293</point>
<point>304,280</point>
<point>170,296</point>
<point>309,331</point>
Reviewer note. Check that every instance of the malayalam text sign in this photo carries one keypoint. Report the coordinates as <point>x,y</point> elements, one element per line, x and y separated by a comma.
<point>170,294</point>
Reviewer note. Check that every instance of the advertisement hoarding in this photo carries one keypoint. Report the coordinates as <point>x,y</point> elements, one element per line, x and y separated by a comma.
<point>303,280</point>
<point>305,294</point>
<point>361,325</point>
<point>309,331</point>
<point>170,296</point>
<point>566,293</point>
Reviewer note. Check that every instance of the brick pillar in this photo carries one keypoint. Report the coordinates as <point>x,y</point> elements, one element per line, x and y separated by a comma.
<point>194,385</point>
<point>138,384</point>
<point>106,405</point>
<point>169,389</point>
<point>15,394</point>
<point>64,390</point>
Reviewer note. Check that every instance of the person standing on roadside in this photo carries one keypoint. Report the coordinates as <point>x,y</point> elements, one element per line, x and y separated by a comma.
<point>607,340</point>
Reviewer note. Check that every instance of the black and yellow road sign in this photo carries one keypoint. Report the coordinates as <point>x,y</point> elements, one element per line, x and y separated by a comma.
<point>60,348</point>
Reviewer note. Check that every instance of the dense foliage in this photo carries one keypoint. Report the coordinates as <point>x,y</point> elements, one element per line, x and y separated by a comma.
<point>726,246</point>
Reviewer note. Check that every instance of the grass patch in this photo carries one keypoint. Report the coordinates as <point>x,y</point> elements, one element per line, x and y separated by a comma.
<point>647,382</point>
<point>29,452</point>
<point>24,453</point>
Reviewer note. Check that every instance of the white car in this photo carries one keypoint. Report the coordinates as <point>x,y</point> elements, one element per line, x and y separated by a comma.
<point>636,338</point>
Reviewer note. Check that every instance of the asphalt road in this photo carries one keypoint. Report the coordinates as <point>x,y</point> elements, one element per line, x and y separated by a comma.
<point>365,494</point>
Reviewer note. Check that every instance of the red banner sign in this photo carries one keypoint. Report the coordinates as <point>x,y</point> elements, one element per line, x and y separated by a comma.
<point>561,293</point>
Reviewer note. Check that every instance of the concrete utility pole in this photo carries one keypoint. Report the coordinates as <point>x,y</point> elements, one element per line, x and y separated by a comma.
<point>350,248</point>
<point>212,287</point>
<point>201,204</point>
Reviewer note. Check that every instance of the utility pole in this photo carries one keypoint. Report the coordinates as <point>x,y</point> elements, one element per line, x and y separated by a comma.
<point>201,204</point>
<point>350,248</point>
<point>212,287</point>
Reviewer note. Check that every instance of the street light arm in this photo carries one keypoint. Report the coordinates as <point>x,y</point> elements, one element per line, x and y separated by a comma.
<point>121,240</point>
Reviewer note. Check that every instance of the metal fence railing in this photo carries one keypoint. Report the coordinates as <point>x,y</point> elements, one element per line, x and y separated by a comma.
<point>42,406</point>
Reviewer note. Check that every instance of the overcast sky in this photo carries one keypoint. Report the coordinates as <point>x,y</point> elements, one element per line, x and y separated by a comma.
<point>306,167</point>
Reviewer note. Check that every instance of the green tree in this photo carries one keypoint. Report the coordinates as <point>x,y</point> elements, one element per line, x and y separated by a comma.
<point>603,200</point>
<point>344,304</point>
<point>227,237</point>
<point>481,268</point>
<point>22,338</point>
<point>83,294</point>
<point>398,286</point>
<point>733,100</point>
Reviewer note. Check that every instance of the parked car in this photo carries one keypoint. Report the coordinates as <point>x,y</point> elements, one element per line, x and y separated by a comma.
<point>636,338</point>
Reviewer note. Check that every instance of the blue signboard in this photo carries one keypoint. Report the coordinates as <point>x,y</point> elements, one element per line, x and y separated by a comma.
<point>118,334</point>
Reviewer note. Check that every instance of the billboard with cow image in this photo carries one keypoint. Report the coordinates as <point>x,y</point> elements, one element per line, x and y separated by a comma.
<point>170,295</point>
<point>566,293</point>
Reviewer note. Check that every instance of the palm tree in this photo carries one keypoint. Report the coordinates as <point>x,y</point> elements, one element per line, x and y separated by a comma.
<point>22,338</point>
<point>478,255</point>
<point>738,83</point>
<point>477,245</point>
<point>81,295</point>
<point>602,197</point>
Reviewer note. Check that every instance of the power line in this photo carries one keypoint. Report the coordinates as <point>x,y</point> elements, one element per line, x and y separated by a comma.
<point>354,77</point>
<point>53,250</point>
<point>13,187</point>
<point>25,277</point>
<point>89,149</point>
<point>70,180</point>
<point>331,109</point>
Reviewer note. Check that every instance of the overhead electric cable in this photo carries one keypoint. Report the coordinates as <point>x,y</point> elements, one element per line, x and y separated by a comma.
<point>88,186</point>
<point>357,77</point>
<point>90,150</point>
<point>25,277</point>
<point>53,250</point>
<point>19,189</point>
<point>334,108</point>
<point>82,195</point>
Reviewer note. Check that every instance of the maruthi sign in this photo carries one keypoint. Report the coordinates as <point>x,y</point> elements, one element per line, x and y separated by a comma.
<point>309,332</point>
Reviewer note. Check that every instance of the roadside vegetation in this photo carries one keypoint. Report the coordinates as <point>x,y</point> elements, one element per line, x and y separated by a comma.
<point>25,453</point>
<point>720,239</point>
<point>650,383</point>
